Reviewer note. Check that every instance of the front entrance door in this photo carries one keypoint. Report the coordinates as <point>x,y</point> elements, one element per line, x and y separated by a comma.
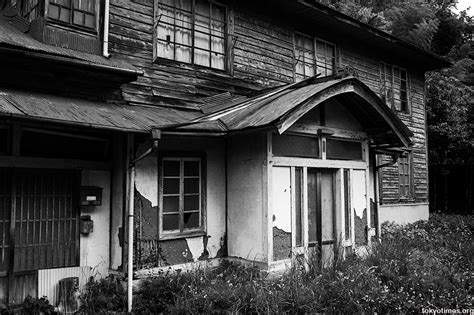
<point>39,219</point>
<point>321,212</point>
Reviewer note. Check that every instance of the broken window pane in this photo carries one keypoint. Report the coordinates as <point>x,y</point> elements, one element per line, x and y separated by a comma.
<point>191,220</point>
<point>181,197</point>
<point>281,213</point>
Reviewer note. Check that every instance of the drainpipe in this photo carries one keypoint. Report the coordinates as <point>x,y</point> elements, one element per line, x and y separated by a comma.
<point>105,46</point>
<point>156,135</point>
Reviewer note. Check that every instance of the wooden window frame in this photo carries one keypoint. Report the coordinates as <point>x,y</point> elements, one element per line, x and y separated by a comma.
<point>193,13</point>
<point>181,231</point>
<point>387,92</point>
<point>42,7</point>
<point>408,188</point>
<point>316,41</point>
<point>71,23</point>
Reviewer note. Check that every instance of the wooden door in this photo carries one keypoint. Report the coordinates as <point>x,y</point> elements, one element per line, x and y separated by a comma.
<point>321,212</point>
<point>43,230</point>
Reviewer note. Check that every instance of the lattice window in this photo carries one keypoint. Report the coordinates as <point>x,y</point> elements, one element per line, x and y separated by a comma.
<point>181,197</point>
<point>394,87</point>
<point>405,177</point>
<point>313,56</point>
<point>79,13</point>
<point>192,32</point>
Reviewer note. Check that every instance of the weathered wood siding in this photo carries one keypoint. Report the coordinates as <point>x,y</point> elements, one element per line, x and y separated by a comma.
<point>262,55</point>
<point>263,51</point>
<point>368,72</point>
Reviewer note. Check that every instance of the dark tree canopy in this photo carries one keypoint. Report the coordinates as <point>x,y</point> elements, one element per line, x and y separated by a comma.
<point>434,26</point>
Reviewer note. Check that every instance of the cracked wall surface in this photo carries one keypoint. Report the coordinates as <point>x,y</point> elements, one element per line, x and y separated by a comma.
<point>150,251</point>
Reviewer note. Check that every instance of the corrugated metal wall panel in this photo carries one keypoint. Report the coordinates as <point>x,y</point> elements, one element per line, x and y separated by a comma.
<point>48,280</point>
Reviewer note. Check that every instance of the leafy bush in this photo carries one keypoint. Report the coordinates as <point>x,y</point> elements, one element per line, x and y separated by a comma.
<point>425,264</point>
<point>103,295</point>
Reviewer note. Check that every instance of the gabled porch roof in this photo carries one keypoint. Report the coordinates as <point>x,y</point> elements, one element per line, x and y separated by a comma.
<point>281,107</point>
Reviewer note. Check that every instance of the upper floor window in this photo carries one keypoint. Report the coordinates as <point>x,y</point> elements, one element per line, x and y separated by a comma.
<point>191,31</point>
<point>29,9</point>
<point>394,87</point>
<point>313,56</point>
<point>81,14</point>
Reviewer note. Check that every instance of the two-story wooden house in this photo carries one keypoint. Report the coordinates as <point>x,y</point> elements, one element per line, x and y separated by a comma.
<point>252,130</point>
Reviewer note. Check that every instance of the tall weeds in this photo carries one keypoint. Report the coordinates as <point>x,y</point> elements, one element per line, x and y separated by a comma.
<point>421,265</point>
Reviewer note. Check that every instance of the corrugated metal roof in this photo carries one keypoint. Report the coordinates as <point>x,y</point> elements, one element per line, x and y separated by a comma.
<point>283,106</point>
<point>263,112</point>
<point>92,114</point>
<point>11,36</point>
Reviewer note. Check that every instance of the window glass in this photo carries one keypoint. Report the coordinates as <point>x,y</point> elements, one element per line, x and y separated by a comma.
<point>298,206</point>
<point>295,146</point>
<point>313,56</point>
<point>343,150</point>
<point>181,198</point>
<point>347,205</point>
<point>80,13</point>
<point>326,56</point>
<point>404,176</point>
<point>394,87</point>
<point>305,57</point>
<point>190,34</point>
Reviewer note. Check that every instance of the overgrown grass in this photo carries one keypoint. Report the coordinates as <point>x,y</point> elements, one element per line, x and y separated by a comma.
<point>421,265</point>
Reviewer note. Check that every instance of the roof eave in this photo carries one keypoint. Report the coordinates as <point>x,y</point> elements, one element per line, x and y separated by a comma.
<point>130,74</point>
<point>435,61</point>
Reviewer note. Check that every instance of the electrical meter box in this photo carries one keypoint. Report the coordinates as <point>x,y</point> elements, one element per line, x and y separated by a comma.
<point>91,196</point>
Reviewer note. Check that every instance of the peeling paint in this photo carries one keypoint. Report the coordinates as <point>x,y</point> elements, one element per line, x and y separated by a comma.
<point>281,244</point>
<point>146,179</point>
<point>195,246</point>
<point>205,252</point>
<point>360,227</point>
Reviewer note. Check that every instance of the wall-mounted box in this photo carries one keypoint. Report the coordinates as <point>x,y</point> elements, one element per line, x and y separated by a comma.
<point>91,196</point>
<point>86,225</point>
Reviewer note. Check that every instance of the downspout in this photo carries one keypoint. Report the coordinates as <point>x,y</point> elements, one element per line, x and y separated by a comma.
<point>105,46</point>
<point>156,135</point>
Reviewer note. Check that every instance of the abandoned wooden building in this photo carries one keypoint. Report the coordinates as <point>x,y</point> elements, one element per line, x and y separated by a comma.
<point>227,129</point>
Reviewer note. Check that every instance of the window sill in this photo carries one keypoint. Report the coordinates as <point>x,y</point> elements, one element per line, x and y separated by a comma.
<point>190,66</point>
<point>69,27</point>
<point>177,235</point>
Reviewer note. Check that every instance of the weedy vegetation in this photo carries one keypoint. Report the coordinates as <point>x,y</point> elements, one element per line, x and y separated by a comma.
<point>427,264</point>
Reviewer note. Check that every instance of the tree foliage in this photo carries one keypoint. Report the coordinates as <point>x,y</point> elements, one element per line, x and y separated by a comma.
<point>450,113</point>
<point>434,26</point>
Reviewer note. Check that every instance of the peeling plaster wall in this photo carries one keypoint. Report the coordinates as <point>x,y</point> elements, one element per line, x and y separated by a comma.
<point>95,246</point>
<point>154,253</point>
<point>359,206</point>
<point>246,211</point>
